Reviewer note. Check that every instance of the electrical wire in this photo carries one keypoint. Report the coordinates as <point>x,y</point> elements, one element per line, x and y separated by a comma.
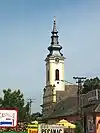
<point>87,77</point>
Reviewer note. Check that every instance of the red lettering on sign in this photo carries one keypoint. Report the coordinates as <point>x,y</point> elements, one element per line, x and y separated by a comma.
<point>29,131</point>
<point>35,131</point>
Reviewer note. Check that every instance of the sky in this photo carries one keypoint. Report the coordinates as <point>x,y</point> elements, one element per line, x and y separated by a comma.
<point>25,30</point>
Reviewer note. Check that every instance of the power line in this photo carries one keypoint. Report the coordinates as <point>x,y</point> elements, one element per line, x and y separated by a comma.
<point>92,75</point>
<point>81,77</point>
<point>67,82</point>
<point>79,80</point>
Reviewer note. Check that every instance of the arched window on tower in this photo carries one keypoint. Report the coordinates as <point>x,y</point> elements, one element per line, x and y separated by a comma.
<point>48,75</point>
<point>56,74</point>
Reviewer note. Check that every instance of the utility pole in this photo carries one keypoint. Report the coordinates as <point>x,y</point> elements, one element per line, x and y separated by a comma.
<point>30,104</point>
<point>80,80</point>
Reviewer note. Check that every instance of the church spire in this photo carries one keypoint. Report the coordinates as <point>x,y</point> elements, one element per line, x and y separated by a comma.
<point>54,48</point>
<point>54,25</point>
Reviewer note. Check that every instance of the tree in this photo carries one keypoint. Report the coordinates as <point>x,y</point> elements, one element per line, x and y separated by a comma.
<point>78,128</point>
<point>91,84</point>
<point>15,99</point>
<point>35,116</point>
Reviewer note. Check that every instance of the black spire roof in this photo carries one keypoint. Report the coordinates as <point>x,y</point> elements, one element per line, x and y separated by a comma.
<point>54,48</point>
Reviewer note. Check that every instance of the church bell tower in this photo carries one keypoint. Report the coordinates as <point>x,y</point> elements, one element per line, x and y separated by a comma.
<point>54,72</point>
<point>55,62</point>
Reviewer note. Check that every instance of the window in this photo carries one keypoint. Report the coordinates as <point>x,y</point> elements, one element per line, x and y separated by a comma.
<point>48,75</point>
<point>57,74</point>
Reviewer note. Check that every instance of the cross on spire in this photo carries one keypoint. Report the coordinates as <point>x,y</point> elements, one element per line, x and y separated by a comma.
<point>54,26</point>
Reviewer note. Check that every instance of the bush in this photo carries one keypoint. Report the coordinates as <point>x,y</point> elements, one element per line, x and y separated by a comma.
<point>79,128</point>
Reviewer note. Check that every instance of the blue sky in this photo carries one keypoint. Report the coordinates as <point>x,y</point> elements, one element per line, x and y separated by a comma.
<point>25,30</point>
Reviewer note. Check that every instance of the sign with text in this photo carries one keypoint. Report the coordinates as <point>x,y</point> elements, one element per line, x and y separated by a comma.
<point>8,118</point>
<point>90,123</point>
<point>32,130</point>
<point>43,128</point>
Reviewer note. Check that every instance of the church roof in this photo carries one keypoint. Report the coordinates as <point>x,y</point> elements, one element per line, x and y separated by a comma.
<point>70,91</point>
<point>93,108</point>
<point>68,107</point>
<point>97,109</point>
<point>65,107</point>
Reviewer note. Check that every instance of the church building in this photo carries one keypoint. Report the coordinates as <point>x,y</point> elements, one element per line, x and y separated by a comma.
<point>56,90</point>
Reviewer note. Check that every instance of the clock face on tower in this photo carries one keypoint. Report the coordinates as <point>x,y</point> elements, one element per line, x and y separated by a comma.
<point>57,60</point>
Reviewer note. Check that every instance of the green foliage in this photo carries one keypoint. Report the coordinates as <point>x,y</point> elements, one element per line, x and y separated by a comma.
<point>36,116</point>
<point>91,84</point>
<point>15,99</point>
<point>78,128</point>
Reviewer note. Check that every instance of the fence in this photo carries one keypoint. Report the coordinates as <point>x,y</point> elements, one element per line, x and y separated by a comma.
<point>65,131</point>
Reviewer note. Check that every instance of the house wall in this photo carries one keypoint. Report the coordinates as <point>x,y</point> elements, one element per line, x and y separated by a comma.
<point>98,123</point>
